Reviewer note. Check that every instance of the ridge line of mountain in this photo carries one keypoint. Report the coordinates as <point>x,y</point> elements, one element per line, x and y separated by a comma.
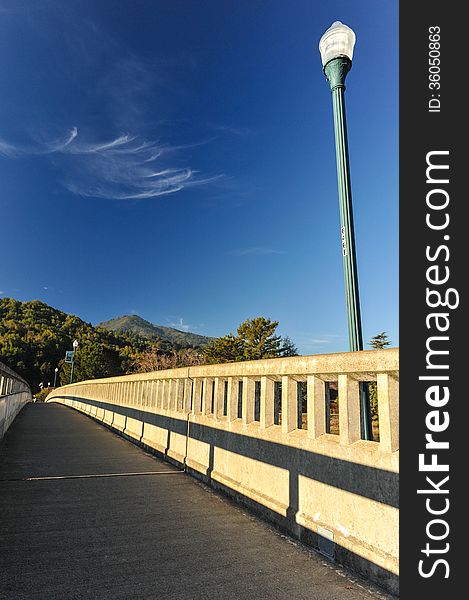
<point>140,326</point>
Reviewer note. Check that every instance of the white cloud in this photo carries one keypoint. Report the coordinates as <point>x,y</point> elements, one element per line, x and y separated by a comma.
<point>8,150</point>
<point>125,166</point>
<point>181,325</point>
<point>118,168</point>
<point>60,145</point>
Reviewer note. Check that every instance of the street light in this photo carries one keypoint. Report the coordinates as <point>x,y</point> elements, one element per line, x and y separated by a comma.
<point>336,49</point>
<point>56,370</point>
<point>75,346</point>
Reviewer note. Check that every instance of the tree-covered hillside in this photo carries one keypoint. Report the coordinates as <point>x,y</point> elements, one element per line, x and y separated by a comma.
<point>34,338</point>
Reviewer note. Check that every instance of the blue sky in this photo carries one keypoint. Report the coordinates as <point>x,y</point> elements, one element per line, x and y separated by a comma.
<point>175,159</point>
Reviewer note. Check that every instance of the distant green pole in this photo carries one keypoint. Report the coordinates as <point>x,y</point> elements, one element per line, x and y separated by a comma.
<point>71,373</point>
<point>336,71</point>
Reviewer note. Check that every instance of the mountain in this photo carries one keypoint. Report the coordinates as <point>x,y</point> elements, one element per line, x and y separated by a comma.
<point>35,336</point>
<point>133,324</point>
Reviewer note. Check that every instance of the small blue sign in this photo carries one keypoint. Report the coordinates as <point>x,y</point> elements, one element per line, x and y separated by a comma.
<point>69,356</point>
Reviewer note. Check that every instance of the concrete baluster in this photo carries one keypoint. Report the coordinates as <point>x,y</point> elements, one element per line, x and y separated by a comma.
<point>219,397</point>
<point>232,399</point>
<point>349,410</point>
<point>169,387</point>
<point>153,393</point>
<point>196,397</point>
<point>207,396</point>
<point>267,402</point>
<point>388,412</point>
<point>165,393</point>
<point>160,393</point>
<point>187,395</point>
<point>289,404</point>
<point>174,394</point>
<point>179,395</point>
<point>157,394</point>
<point>128,389</point>
<point>139,393</point>
<point>249,388</point>
<point>170,394</point>
<point>131,393</point>
<point>316,403</point>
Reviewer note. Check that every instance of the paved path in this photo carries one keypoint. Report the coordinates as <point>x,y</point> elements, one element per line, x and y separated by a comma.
<point>160,535</point>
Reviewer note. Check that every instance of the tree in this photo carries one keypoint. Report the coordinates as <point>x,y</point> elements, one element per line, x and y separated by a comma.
<point>94,359</point>
<point>34,338</point>
<point>156,359</point>
<point>259,339</point>
<point>288,347</point>
<point>380,341</point>
<point>228,348</point>
<point>256,339</point>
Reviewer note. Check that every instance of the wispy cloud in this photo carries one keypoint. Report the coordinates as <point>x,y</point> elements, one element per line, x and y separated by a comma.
<point>255,251</point>
<point>41,147</point>
<point>323,341</point>
<point>8,150</point>
<point>181,325</point>
<point>61,144</point>
<point>129,94</point>
<point>122,168</point>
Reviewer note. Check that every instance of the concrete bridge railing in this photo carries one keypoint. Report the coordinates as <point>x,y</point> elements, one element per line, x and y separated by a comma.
<point>14,394</point>
<point>262,432</point>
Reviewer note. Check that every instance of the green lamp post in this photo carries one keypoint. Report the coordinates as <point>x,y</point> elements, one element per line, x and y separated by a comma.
<point>75,346</point>
<point>336,49</point>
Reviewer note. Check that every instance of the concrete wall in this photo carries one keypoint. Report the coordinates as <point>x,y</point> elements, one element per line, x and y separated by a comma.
<point>337,493</point>
<point>14,394</point>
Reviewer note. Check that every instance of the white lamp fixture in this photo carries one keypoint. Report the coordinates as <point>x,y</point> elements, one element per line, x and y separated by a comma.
<point>338,40</point>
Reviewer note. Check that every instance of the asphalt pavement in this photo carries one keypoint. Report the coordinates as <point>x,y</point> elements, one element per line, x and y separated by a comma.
<point>85,514</point>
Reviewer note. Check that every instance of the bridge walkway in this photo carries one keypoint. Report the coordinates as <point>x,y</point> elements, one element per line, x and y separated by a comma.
<point>86,514</point>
